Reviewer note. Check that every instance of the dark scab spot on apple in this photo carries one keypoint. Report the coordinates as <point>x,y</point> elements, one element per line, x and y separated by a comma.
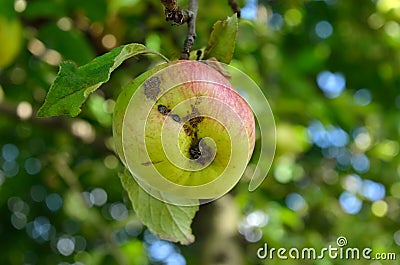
<point>176,117</point>
<point>194,150</point>
<point>152,87</point>
<point>195,121</point>
<point>194,117</point>
<point>200,151</point>
<point>163,109</point>
<point>188,130</point>
<point>148,163</point>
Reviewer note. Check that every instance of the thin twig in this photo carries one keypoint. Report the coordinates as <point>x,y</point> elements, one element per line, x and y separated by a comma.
<point>235,7</point>
<point>191,35</point>
<point>174,13</point>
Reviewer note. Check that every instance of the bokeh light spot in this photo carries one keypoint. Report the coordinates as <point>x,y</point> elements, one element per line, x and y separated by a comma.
<point>257,219</point>
<point>362,138</point>
<point>388,149</point>
<point>352,183</point>
<point>24,110</point>
<point>10,168</point>
<point>52,57</point>
<point>99,196</point>
<point>9,152</point>
<point>111,162</point>
<point>65,246</point>
<point>350,203</point>
<point>392,29</point>
<point>296,202</point>
<point>54,202</point>
<point>293,17</point>
<point>33,166</point>
<point>119,237</point>
<point>287,170</point>
<point>175,259</point>
<point>118,211</point>
<point>64,23</point>
<point>331,136</point>
<point>362,97</point>
<point>160,250</point>
<point>253,235</point>
<point>331,84</point>
<point>18,220</point>
<point>19,6</point>
<point>249,11</point>
<point>360,163</point>
<point>83,130</point>
<point>36,47</point>
<point>80,243</point>
<point>373,191</point>
<point>376,21</point>
<point>133,228</point>
<point>276,21</point>
<point>387,5</point>
<point>379,208</point>
<point>40,229</point>
<point>323,29</point>
<point>109,41</point>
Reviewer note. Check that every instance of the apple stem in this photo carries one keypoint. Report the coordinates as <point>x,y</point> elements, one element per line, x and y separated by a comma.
<point>235,7</point>
<point>191,34</point>
<point>174,13</point>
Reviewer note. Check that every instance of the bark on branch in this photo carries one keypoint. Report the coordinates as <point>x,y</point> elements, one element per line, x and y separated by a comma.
<point>191,35</point>
<point>235,7</point>
<point>174,14</point>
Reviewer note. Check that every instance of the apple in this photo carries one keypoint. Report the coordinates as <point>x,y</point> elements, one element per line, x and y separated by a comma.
<point>182,129</point>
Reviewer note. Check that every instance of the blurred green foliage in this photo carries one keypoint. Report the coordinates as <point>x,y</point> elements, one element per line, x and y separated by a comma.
<point>330,70</point>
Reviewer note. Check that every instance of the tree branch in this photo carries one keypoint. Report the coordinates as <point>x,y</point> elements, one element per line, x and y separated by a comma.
<point>174,13</point>
<point>235,7</point>
<point>191,35</point>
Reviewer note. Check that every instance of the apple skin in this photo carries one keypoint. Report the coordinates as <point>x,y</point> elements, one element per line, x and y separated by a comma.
<point>181,128</point>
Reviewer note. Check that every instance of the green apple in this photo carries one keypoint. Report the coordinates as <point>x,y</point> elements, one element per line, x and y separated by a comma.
<point>182,129</point>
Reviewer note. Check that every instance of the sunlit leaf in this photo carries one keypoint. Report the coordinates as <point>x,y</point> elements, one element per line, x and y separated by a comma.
<point>74,84</point>
<point>167,221</point>
<point>222,40</point>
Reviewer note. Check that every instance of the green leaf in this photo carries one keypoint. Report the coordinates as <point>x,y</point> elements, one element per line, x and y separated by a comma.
<point>222,40</point>
<point>74,84</point>
<point>167,221</point>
